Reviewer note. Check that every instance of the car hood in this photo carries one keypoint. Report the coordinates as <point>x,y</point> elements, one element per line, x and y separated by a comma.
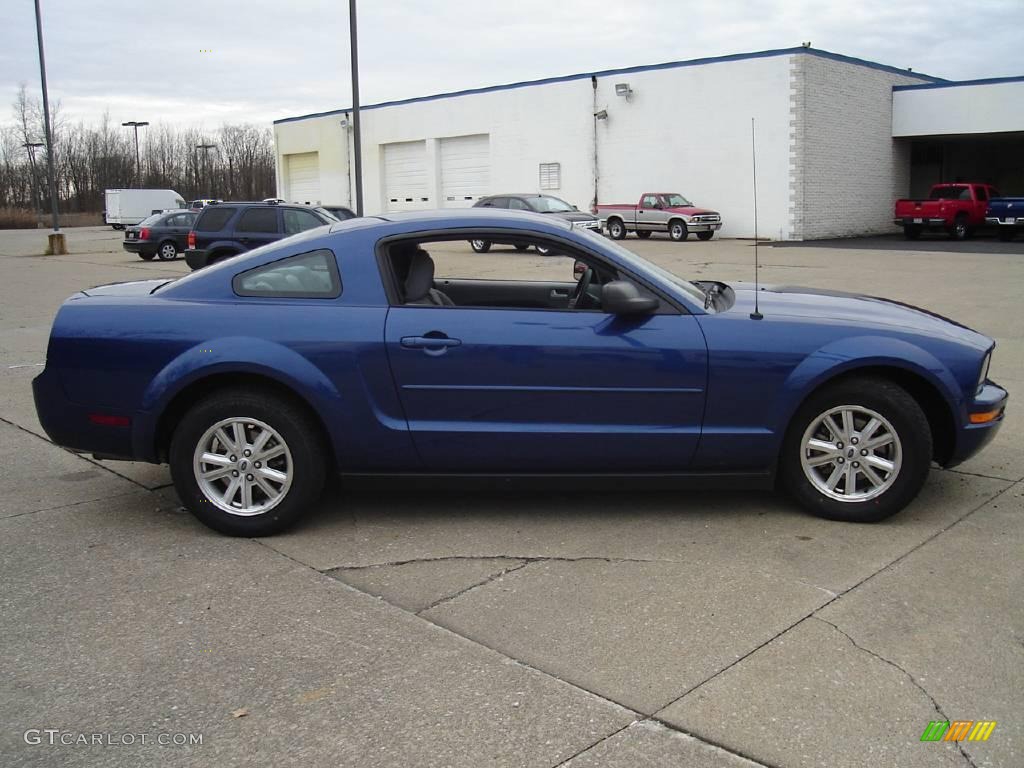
<point>689,210</point>
<point>133,288</point>
<point>856,309</point>
<point>573,215</point>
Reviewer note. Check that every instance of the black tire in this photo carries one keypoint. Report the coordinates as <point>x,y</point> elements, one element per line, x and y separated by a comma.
<point>146,256</point>
<point>643,234</point>
<point>167,251</point>
<point>616,229</point>
<point>908,421</point>
<point>705,235</point>
<point>677,230</point>
<point>522,248</point>
<point>959,230</point>
<point>298,431</point>
<point>543,250</point>
<point>480,246</point>
<point>1006,234</point>
<point>118,227</point>
<point>912,231</point>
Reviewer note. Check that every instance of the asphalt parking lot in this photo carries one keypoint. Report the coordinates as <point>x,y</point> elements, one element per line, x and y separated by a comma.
<point>401,627</point>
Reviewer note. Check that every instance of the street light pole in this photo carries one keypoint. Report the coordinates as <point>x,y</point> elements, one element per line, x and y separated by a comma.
<point>356,135</point>
<point>206,162</point>
<point>31,147</point>
<point>46,122</point>
<point>138,165</point>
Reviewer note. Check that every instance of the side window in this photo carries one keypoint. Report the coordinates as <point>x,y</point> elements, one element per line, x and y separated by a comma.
<point>312,275</point>
<point>649,201</point>
<point>258,220</point>
<point>517,205</point>
<point>296,220</point>
<point>498,202</point>
<point>214,218</point>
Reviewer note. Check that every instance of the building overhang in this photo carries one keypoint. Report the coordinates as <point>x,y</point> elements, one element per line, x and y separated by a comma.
<point>957,109</point>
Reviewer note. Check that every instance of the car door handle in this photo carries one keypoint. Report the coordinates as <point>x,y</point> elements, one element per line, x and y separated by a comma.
<point>558,293</point>
<point>429,342</point>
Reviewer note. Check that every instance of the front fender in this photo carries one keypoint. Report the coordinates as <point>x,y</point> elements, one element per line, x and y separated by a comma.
<point>232,354</point>
<point>855,352</point>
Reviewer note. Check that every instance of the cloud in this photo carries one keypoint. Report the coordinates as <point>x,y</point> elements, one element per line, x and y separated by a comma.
<point>257,60</point>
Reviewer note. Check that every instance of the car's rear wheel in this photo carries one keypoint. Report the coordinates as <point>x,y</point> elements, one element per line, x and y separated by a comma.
<point>643,234</point>
<point>705,235</point>
<point>858,451</point>
<point>146,256</point>
<point>960,230</point>
<point>168,251</point>
<point>677,230</point>
<point>247,463</point>
<point>616,229</point>
<point>480,246</point>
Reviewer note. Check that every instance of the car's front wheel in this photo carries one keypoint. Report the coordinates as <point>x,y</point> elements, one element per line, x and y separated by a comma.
<point>247,463</point>
<point>858,451</point>
<point>677,230</point>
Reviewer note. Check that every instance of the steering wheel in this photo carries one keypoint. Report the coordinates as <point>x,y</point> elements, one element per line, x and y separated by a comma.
<point>580,297</point>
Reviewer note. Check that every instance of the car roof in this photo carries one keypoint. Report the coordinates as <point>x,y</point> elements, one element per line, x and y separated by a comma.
<point>520,194</point>
<point>474,215</point>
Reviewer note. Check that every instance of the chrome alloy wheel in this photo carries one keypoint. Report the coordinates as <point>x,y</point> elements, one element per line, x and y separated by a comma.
<point>243,466</point>
<point>851,453</point>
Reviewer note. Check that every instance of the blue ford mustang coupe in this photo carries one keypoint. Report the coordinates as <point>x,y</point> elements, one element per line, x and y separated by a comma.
<point>341,349</point>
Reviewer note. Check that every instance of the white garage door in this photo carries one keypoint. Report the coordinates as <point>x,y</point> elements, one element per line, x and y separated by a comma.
<point>304,178</point>
<point>465,170</point>
<point>405,176</point>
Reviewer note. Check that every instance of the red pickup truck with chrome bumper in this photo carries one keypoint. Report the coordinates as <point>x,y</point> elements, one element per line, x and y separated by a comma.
<point>958,209</point>
<point>659,212</point>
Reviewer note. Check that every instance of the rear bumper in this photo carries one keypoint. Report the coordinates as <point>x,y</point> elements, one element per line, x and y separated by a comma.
<point>73,426</point>
<point>971,438</point>
<point>921,221</point>
<point>196,258</point>
<point>143,247</point>
<point>1006,221</point>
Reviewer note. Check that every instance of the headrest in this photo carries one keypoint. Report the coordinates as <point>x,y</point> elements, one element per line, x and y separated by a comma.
<point>420,278</point>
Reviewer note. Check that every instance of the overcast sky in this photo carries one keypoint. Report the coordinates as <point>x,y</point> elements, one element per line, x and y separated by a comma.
<point>266,59</point>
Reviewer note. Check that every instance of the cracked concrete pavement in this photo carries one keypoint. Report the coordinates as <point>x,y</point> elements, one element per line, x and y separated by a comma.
<point>401,627</point>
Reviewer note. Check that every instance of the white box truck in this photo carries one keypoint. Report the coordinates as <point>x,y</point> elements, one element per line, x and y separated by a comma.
<point>125,207</point>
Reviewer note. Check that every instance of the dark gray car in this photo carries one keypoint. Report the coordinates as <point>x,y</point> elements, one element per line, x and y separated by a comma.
<point>537,203</point>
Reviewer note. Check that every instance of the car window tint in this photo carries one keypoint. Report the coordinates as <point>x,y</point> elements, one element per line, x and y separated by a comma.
<point>312,275</point>
<point>296,220</point>
<point>517,205</point>
<point>214,218</point>
<point>258,220</point>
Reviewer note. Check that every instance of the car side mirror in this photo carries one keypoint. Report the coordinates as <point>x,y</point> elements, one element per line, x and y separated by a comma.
<point>621,297</point>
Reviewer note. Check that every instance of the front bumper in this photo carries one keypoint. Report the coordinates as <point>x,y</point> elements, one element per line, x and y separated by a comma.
<point>704,226</point>
<point>594,225</point>
<point>1006,221</point>
<point>972,437</point>
<point>196,258</point>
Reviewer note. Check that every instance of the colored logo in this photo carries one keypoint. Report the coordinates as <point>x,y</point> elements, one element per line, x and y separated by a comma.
<point>958,730</point>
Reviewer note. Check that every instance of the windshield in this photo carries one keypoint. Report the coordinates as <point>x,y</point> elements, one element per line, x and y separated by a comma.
<point>545,204</point>
<point>677,201</point>
<point>643,266</point>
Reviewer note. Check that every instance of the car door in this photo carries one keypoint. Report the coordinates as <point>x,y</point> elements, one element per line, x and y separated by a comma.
<point>499,390</point>
<point>178,227</point>
<point>651,214</point>
<point>258,226</point>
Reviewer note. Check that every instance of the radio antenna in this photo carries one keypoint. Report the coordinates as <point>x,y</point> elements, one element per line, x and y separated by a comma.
<point>756,314</point>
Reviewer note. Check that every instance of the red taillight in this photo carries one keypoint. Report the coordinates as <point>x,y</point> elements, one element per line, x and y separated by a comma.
<point>144,233</point>
<point>109,420</point>
<point>191,239</point>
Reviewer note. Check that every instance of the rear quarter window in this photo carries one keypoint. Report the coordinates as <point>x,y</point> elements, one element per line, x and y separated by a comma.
<point>258,220</point>
<point>214,218</point>
<point>312,275</point>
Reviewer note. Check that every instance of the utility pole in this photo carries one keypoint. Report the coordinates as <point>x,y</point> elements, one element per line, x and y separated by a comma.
<point>138,165</point>
<point>206,164</point>
<point>57,244</point>
<point>356,135</point>
<point>31,147</point>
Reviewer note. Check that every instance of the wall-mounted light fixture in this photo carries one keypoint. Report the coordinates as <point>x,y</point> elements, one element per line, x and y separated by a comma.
<point>602,115</point>
<point>623,90</point>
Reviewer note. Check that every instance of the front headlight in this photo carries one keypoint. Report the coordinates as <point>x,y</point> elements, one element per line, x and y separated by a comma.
<point>983,375</point>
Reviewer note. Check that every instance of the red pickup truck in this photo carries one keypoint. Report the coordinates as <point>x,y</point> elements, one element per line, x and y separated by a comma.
<point>659,212</point>
<point>959,209</point>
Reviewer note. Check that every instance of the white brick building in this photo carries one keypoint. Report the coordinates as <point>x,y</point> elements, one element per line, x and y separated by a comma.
<point>829,158</point>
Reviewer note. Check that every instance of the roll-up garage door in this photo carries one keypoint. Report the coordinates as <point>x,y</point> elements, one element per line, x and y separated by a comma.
<point>405,176</point>
<point>304,178</point>
<point>465,170</point>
